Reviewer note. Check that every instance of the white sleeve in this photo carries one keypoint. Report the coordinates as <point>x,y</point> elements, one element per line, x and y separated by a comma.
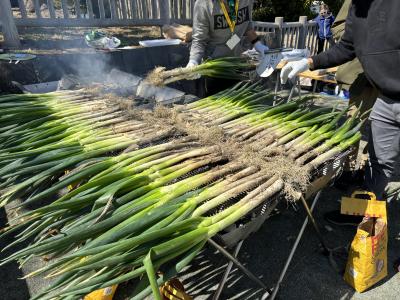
<point>201,31</point>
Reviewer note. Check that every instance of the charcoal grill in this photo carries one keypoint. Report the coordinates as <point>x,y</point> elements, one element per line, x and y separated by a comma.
<point>235,236</point>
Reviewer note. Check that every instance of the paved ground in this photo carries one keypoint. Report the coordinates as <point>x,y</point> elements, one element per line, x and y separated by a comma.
<point>69,40</point>
<point>310,276</point>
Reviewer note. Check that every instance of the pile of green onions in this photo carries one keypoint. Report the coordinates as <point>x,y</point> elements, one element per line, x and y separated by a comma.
<point>234,68</point>
<point>141,203</point>
<point>42,136</point>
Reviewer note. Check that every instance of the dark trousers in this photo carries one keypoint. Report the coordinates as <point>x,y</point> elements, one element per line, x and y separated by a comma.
<point>321,44</point>
<point>384,145</point>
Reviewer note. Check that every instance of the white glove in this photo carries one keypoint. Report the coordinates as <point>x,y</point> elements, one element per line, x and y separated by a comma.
<point>191,64</point>
<point>291,69</point>
<point>260,48</point>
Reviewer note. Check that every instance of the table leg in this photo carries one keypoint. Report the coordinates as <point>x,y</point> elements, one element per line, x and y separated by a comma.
<point>226,274</point>
<point>314,86</point>
<point>277,83</point>
<point>237,263</point>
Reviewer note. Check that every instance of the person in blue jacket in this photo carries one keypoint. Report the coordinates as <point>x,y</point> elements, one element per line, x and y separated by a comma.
<point>324,21</point>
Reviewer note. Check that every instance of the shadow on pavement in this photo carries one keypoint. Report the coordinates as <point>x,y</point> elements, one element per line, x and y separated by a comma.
<point>11,288</point>
<point>310,275</point>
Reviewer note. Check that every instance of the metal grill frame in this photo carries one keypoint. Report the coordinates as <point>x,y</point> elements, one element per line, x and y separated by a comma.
<point>256,218</point>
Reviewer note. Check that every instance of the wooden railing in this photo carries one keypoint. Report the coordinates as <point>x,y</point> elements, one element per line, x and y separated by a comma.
<point>103,13</point>
<point>300,35</point>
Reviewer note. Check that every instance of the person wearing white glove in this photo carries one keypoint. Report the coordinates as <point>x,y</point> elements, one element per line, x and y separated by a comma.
<point>221,28</point>
<point>369,37</point>
<point>191,64</point>
<point>291,69</point>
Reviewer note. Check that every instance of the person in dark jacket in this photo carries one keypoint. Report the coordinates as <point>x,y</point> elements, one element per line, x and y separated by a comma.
<point>370,35</point>
<point>325,21</point>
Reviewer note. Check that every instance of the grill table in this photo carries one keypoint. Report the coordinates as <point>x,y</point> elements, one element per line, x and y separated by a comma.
<point>235,237</point>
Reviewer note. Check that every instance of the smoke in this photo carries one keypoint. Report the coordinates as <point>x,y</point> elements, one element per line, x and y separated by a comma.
<point>98,69</point>
<point>93,67</point>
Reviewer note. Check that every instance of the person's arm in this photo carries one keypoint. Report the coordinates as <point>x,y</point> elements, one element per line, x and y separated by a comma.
<point>339,54</point>
<point>255,41</point>
<point>201,31</point>
<point>252,36</point>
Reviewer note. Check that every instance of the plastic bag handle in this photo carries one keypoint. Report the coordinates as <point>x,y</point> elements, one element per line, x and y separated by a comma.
<point>370,194</point>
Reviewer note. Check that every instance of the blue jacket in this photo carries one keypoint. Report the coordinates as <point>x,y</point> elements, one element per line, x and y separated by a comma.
<point>324,26</point>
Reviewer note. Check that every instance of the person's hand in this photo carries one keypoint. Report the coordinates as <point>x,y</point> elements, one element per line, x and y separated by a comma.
<point>191,64</point>
<point>291,69</point>
<point>260,48</point>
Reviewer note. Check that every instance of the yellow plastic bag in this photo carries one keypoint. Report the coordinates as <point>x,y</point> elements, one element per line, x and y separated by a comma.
<point>102,294</point>
<point>367,261</point>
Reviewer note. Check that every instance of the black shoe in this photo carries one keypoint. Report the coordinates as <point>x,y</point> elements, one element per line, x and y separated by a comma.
<point>349,178</point>
<point>396,265</point>
<point>335,217</point>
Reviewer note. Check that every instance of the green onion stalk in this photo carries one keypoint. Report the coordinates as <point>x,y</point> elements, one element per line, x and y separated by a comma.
<point>310,139</point>
<point>141,250</point>
<point>293,128</point>
<point>269,123</point>
<point>234,103</point>
<point>258,118</point>
<point>212,99</point>
<point>99,193</point>
<point>228,68</point>
<point>333,137</point>
<point>143,168</point>
<point>144,196</point>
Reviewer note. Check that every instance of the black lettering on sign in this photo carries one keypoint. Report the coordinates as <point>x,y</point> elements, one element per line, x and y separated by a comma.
<point>243,16</point>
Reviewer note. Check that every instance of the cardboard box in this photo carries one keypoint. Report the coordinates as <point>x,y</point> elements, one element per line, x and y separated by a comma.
<point>177,31</point>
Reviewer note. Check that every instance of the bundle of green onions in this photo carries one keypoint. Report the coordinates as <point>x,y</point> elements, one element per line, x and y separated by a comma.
<point>43,136</point>
<point>234,68</point>
<point>154,205</point>
<point>300,132</point>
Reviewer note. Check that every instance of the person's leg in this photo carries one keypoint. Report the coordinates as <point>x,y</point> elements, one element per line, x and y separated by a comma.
<point>331,41</point>
<point>361,102</point>
<point>384,152</point>
<point>384,145</point>
<point>321,44</point>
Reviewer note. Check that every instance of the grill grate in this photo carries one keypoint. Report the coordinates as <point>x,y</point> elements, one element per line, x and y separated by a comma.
<point>254,220</point>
